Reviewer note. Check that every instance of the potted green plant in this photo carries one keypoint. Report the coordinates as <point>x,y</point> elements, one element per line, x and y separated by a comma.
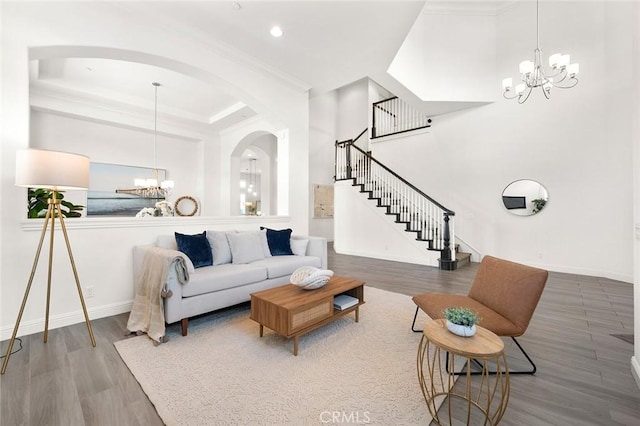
<point>538,204</point>
<point>38,204</point>
<point>461,321</point>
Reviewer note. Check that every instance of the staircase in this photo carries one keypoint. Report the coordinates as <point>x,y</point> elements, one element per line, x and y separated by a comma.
<point>416,212</point>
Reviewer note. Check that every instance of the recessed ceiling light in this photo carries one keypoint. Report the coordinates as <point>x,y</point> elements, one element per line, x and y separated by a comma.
<point>276,31</point>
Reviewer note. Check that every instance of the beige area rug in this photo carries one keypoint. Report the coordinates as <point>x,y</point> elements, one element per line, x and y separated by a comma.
<point>224,373</point>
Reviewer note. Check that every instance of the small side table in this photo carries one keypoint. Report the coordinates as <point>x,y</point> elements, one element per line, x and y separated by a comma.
<point>491,395</point>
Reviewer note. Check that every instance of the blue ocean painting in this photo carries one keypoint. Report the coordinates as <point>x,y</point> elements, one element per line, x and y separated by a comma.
<point>105,179</point>
<point>103,203</point>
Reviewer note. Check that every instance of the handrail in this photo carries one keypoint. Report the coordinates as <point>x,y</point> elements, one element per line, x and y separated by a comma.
<point>375,105</point>
<point>360,135</point>
<point>420,213</point>
<point>393,116</point>
<point>403,180</point>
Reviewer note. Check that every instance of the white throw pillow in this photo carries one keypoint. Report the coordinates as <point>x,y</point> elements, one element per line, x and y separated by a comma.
<point>246,247</point>
<point>262,234</point>
<point>219,247</point>
<point>265,243</point>
<point>167,242</point>
<point>299,246</point>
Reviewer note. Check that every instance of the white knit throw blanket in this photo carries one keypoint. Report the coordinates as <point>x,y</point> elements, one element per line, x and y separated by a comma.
<point>147,312</point>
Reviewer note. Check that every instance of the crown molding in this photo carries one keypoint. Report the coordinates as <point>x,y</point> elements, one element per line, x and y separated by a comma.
<point>468,8</point>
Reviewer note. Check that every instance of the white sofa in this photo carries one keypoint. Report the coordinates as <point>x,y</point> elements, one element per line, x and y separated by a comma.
<point>226,283</point>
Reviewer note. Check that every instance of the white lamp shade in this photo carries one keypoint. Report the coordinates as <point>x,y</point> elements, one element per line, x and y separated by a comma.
<point>56,170</point>
<point>554,60</point>
<point>507,83</point>
<point>526,67</point>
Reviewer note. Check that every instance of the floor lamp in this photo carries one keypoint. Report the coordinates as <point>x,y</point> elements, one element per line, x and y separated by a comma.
<point>56,171</point>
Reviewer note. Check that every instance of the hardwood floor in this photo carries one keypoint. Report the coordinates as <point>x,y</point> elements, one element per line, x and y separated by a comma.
<point>584,373</point>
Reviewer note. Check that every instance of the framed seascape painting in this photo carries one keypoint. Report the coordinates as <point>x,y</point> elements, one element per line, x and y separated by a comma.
<point>111,190</point>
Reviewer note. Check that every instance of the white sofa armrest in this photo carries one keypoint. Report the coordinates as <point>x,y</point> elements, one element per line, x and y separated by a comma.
<point>317,247</point>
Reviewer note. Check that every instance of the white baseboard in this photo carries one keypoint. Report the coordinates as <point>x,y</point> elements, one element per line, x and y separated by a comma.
<point>63,320</point>
<point>579,271</point>
<point>417,260</point>
<point>635,369</point>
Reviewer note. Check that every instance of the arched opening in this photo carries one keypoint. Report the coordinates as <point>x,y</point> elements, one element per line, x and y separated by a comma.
<point>254,175</point>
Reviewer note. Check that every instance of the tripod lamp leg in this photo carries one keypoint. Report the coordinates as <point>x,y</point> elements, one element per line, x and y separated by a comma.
<point>26,293</point>
<point>75,275</point>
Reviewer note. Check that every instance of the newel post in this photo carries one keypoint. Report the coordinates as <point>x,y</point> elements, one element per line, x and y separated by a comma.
<point>348,146</point>
<point>446,261</point>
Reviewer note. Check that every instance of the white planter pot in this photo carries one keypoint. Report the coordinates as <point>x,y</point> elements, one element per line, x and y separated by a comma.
<point>461,330</point>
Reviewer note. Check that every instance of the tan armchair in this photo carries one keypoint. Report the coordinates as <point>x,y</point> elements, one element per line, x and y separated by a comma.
<point>504,294</point>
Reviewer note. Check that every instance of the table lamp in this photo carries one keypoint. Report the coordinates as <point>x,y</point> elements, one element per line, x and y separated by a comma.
<point>55,171</point>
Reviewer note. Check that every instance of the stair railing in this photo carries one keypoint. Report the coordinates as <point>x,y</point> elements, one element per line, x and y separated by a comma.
<point>393,115</point>
<point>421,213</point>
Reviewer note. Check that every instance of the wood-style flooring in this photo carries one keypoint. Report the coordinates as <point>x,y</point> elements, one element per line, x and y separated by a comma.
<point>584,374</point>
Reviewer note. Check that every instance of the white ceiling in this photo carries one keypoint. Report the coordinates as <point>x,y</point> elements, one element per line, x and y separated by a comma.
<point>326,45</point>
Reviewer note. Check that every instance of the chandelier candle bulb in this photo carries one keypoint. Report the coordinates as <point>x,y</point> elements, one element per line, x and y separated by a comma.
<point>526,67</point>
<point>573,69</point>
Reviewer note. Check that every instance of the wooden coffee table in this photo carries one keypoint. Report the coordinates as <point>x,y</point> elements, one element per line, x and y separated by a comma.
<point>291,311</point>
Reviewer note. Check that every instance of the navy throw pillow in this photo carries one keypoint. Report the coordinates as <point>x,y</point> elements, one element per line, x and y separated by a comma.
<point>196,247</point>
<point>279,241</point>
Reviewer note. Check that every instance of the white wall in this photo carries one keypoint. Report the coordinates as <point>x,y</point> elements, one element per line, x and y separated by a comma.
<point>635,360</point>
<point>578,145</point>
<point>443,47</point>
<point>353,109</point>
<point>102,247</point>
<point>323,119</point>
<point>362,229</point>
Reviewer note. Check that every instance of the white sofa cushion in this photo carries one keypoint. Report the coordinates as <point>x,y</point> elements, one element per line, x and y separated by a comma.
<point>221,277</point>
<point>279,266</point>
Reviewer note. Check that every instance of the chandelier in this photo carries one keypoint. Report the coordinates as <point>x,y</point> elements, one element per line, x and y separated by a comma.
<point>149,188</point>
<point>562,74</point>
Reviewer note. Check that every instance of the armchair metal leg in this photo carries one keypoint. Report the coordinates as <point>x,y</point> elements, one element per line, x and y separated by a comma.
<point>533,366</point>
<point>413,324</point>
<point>532,371</point>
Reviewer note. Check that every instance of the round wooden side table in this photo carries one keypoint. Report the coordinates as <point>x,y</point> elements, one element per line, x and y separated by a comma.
<point>439,352</point>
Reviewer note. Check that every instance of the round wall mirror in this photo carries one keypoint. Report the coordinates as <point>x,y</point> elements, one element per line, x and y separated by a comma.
<point>525,197</point>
